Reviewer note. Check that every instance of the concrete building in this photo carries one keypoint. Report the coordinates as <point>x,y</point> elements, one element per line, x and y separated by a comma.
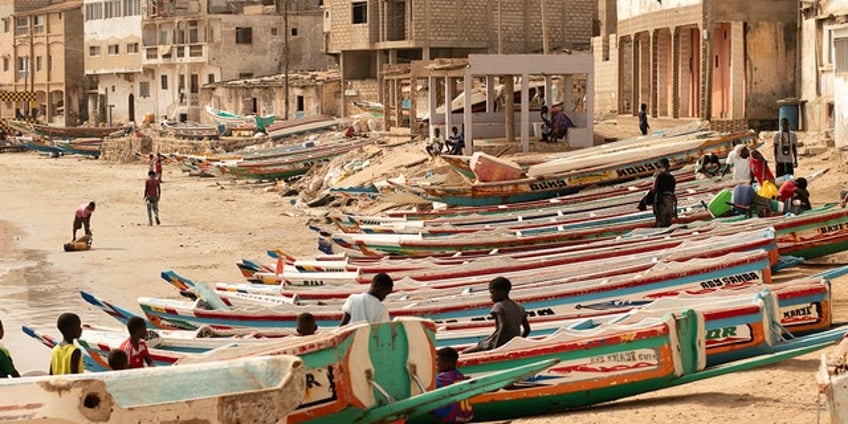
<point>121,93</point>
<point>724,61</point>
<point>189,43</point>
<point>41,51</point>
<point>367,34</point>
<point>310,94</point>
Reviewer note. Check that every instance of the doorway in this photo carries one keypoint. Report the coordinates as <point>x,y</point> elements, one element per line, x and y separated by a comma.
<point>131,108</point>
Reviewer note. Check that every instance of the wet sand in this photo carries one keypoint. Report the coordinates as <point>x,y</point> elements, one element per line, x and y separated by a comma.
<point>208,224</point>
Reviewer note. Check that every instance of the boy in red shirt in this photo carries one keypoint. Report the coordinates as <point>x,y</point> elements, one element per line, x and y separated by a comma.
<point>135,346</point>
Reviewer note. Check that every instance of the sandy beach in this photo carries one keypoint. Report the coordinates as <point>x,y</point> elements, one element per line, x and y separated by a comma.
<point>208,224</point>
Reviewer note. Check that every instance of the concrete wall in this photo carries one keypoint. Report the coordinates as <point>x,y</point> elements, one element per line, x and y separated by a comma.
<point>104,32</point>
<point>628,9</point>
<point>606,76</point>
<point>262,57</point>
<point>319,99</point>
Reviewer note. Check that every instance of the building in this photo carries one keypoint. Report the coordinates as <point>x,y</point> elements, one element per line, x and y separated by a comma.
<point>41,50</point>
<point>189,43</point>
<point>121,92</point>
<point>724,61</point>
<point>310,94</point>
<point>367,34</point>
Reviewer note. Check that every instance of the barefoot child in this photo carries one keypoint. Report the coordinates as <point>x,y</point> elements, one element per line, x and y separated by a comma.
<point>458,412</point>
<point>510,317</point>
<point>7,367</point>
<point>67,358</point>
<point>135,346</point>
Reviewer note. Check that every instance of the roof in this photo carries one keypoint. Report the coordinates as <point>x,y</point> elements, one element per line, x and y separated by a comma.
<point>53,8</point>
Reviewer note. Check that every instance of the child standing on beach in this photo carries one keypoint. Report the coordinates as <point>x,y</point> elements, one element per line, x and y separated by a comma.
<point>135,346</point>
<point>7,367</point>
<point>458,412</point>
<point>67,358</point>
<point>510,317</point>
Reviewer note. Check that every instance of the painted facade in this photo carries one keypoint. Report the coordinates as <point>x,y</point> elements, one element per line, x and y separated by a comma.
<point>728,62</point>
<point>41,46</point>
<point>365,35</point>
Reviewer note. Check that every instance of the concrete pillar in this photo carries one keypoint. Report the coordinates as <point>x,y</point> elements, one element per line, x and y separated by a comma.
<point>509,107</point>
<point>343,111</point>
<point>525,113</point>
<point>398,86</point>
<point>490,93</point>
<point>567,92</point>
<point>654,80</point>
<point>469,134</point>
<point>737,63</point>
<point>425,53</point>
<point>636,88</point>
<point>549,101</point>
<point>381,59</point>
<point>450,93</point>
<point>433,84</point>
<point>675,73</point>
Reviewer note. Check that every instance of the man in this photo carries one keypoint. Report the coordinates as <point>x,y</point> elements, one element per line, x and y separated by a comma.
<point>785,150</point>
<point>82,218</point>
<point>738,160</point>
<point>665,202</point>
<point>152,192</point>
<point>369,306</point>
<point>456,142</point>
<point>643,119</point>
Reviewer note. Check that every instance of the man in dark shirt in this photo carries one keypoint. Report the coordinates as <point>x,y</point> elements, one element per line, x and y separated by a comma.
<point>152,192</point>
<point>665,202</point>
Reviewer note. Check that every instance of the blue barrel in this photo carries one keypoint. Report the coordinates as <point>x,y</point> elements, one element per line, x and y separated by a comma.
<point>789,110</point>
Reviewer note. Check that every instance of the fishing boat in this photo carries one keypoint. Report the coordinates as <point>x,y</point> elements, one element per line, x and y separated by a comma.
<point>232,120</point>
<point>260,390</point>
<point>38,144</point>
<point>85,147</point>
<point>194,132</point>
<point>544,186</point>
<point>65,133</point>
<point>832,380</point>
<point>295,127</point>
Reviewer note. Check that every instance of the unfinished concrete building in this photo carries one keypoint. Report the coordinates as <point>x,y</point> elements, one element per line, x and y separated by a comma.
<point>724,61</point>
<point>41,50</point>
<point>367,34</point>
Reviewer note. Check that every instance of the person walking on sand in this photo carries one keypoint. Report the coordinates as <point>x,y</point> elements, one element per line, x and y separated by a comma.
<point>510,317</point>
<point>82,219</point>
<point>152,192</point>
<point>665,202</point>
<point>643,119</point>
<point>785,150</point>
<point>369,307</point>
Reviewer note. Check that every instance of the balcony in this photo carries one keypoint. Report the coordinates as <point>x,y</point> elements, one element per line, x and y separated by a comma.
<point>181,53</point>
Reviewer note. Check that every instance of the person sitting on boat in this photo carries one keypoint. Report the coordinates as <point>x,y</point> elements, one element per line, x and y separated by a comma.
<point>738,161</point>
<point>665,201</point>
<point>435,147</point>
<point>745,199</point>
<point>794,195</point>
<point>759,167</point>
<point>369,307</point>
<point>7,367</point>
<point>457,412</point>
<point>456,142</point>
<point>306,325</point>
<point>510,318</point>
<point>118,360</point>
<point>82,218</point>
<point>135,345</point>
<point>560,123</point>
<point>66,357</point>
<point>707,166</point>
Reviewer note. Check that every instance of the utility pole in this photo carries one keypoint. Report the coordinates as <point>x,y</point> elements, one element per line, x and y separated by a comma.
<point>544,28</point>
<point>286,55</point>
<point>500,34</point>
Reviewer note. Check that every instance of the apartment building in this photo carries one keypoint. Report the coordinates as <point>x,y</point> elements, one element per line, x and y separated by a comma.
<point>41,51</point>
<point>367,34</point>
<point>724,61</point>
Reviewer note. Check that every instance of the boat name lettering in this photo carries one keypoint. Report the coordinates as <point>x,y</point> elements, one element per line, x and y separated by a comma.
<point>544,185</point>
<point>629,356</point>
<point>320,388</point>
<point>721,333</point>
<point>311,282</point>
<point>638,169</point>
<point>803,311</point>
<point>732,279</point>
<point>831,228</point>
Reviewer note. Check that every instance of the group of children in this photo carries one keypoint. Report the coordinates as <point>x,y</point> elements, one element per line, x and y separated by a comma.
<point>455,143</point>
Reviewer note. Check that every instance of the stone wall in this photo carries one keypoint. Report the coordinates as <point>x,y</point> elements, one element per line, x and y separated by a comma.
<point>606,76</point>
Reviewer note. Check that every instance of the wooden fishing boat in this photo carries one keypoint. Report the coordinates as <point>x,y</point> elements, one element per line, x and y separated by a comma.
<point>85,147</point>
<point>194,132</point>
<point>260,390</point>
<point>288,166</point>
<point>549,299</point>
<point>38,145</point>
<point>551,185</point>
<point>295,127</point>
<point>64,133</point>
<point>232,120</point>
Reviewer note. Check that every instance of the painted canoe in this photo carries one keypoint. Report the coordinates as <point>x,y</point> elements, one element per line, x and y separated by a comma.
<point>551,185</point>
<point>76,132</point>
<point>259,390</point>
<point>295,127</point>
<point>38,145</point>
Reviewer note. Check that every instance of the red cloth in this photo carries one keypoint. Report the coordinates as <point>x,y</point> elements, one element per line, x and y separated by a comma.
<point>786,191</point>
<point>151,188</point>
<point>760,170</point>
<point>135,355</point>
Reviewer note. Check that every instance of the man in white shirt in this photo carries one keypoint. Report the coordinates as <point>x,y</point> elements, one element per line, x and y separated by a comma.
<point>369,306</point>
<point>738,159</point>
<point>785,150</point>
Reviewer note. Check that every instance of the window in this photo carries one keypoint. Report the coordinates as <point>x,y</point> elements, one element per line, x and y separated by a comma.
<point>359,12</point>
<point>112,9</point>
<point>210,78</point>
<point>193,84</point>
<point>5,64</point>
<point>94,50</point>
<point>132,47</point>
<point>840,55</point>
<point>164,82</point>
<point>94,11</point>
<point>22,26</point>
<point>144,89</point>
<point>6,25</point>
<point>23,67</point>
<point>49,63</point>
<point>192,32</point>
<point>132,7</point>
<point>273,32</point>
<point>38,63</point>
<point>113,49</point>
<point>300,104</point>
<point>181,84</point>
<point>38,24</point>
<point>244,35</point>
<point>294,32</point>
<point>245,75</point>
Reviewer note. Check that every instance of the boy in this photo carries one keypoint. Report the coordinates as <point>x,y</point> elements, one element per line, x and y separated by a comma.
<point>369,306</point>
<point>510,317</point>
<point>152,192</point>
<point>665,201</point>
<point>306,324</point>
<point>458,412</point>
<point>82,218</point>
<point>67,358</point>
<point>435,147</point>
<point>7,367</point>
<point>135,346</point>
<point>456,142</point>
<point>643,119</point>
<point>118,360</point>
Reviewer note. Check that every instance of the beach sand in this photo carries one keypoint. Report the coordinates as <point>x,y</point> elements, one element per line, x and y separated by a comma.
<point>209,224</point>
